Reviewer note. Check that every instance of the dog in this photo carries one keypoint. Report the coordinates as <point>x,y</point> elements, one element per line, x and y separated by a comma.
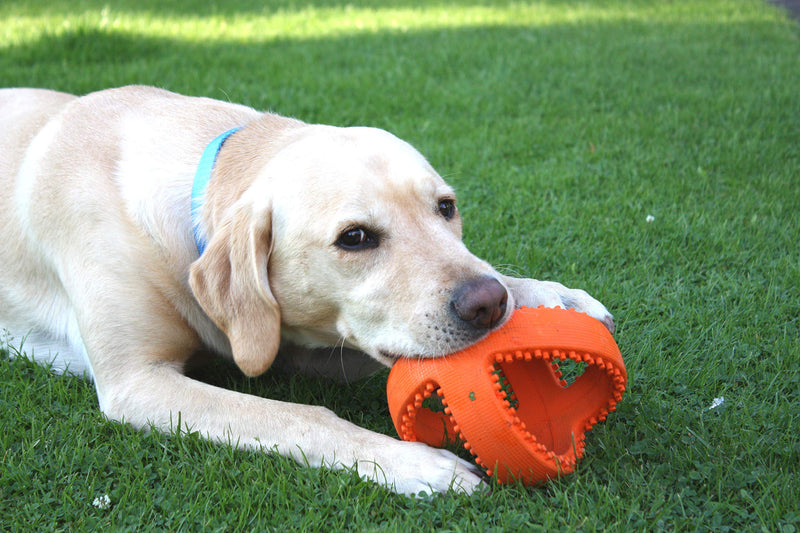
<point>134,237</point>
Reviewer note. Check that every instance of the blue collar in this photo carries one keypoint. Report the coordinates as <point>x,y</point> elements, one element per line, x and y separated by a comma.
<point>201,178</point>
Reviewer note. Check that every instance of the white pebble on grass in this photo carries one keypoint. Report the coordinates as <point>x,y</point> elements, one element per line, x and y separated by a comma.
<point>102,502</point>
<point>717,402</point>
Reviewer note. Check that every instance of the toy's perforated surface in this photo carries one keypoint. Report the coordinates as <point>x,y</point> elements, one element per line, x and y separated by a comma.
<point>504,398</point>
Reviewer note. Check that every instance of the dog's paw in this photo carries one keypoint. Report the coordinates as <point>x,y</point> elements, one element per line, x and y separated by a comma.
<point>533,293</point>
<point>417,469</point>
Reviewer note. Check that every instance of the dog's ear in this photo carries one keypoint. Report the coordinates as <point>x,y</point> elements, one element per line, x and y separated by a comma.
<point>231,283</point>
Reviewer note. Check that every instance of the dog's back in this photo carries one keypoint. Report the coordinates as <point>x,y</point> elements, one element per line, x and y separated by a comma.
<point>28,303</point>
<point>73,173</point>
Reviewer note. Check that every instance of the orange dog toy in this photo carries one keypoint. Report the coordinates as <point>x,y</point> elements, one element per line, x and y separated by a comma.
<point>505,398</point>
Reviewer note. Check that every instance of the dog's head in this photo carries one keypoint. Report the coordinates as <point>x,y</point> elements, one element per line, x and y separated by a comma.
<point>342,235</point>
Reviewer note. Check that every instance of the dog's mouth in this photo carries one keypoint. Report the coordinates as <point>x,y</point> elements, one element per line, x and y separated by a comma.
<point>447,339</point>
<point>390,357</point>
<point>394,356</point>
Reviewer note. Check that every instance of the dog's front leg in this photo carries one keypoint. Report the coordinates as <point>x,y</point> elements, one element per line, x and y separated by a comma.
<point>138,345</point>
<point>161,395</point>
<point>533,293</point>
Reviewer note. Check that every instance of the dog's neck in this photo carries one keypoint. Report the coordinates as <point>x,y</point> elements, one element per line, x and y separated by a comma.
<point>200,185</point>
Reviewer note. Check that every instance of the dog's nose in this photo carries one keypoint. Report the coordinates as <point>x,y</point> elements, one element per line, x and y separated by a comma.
<point>481,302</point>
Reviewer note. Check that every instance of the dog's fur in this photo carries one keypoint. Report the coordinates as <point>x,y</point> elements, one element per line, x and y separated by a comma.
<point>100,275</point>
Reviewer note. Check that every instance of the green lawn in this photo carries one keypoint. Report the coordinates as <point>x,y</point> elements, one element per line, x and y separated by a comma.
<point>647,151</point>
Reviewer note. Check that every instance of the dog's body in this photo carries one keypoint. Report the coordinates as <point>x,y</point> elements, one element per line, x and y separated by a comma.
<point>316,236</point>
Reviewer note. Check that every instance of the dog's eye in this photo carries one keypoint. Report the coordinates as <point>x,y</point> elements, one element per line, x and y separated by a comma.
<point>447,208</point>
<point>357,239</point>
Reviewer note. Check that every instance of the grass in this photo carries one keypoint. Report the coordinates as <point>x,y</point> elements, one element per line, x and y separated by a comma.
<point>563,125</point>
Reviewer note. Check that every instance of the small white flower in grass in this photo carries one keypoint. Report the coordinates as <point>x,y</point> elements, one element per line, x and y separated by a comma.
<point>102,502</point>
<point>649,218</point>
<point>717,402</point>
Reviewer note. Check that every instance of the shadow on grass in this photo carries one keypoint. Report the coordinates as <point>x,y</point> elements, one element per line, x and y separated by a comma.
<point>470,75</point>
<point>253,7</point>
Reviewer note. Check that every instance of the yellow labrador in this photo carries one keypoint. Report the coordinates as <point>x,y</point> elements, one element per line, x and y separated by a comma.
<point>302,236</point>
